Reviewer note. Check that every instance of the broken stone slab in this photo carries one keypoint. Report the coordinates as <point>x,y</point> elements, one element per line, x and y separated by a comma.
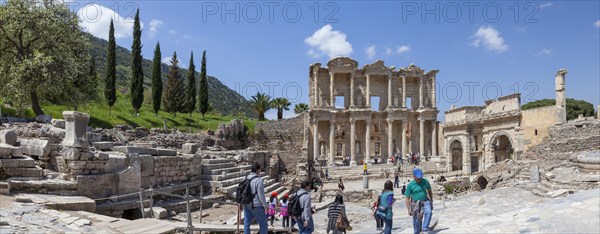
<point>157,212</point>
<point>104,145</point>
<point>70,153</point>
<point>560,192</point>
<point>189,148</point>
<point>166,152</point>
<point>5,151</point>
<point>134,150</point>
<point>94,137</point>
<point>44,118</point>
<point>115,163</point>
<point>59,123</point>
<point>130,179</point>
<point>18,162</point>
<point>8,137</point>
<point>82,222</point>
<point>146,162</point>
<point>96,186</point>
<point>35,147</point>
<point>145,144</point>
<point>76,129</point>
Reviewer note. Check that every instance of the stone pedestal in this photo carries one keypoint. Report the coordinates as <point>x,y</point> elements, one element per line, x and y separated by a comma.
<point>75,129</point>
<point>365,182</point>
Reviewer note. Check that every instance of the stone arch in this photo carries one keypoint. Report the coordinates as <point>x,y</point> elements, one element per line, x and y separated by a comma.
<point>502,146</point>
<point>455,152</point>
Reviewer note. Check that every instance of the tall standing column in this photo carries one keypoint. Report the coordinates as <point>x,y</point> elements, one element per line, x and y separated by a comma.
<point>390,130</point>
<point>352,90</point>
<point>421,136</point>
<point>331,142</point>
<point>420,92</point>
<point>316,153</point>
<point>403,91</point>
<point>466,156</point>
<point>316,83</point>
<point>368,90</point>
<point>389,92</point>
<point>433,94</point>
<point>433,138</point>
<point>331,94</point>
<point>352,142</point>
<point>368,141</point>
<point>404,147</point>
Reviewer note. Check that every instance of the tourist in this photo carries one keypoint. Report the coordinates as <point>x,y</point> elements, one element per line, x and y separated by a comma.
<point>403,188</point>
<point>364,168</point>
<point>305,221</point>
<point>376,158</point>
<point>384,207</point>
<point>341,185</point>
<point>418,201</point>
<point>272,205</point>
<point>378,220</point>
<point>283,211</point>
<point>327,174</point>
<point>258,208</point>
<point>348,160</point>
<point>336,209</point>
<point>396,180</point>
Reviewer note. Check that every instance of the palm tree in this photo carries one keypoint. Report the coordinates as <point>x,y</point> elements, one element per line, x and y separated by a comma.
<point>261,103</point>
<point>281,104</point>
<point>300,107</point>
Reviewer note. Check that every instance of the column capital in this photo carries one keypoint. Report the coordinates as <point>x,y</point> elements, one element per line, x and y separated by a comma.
<point>332,121</point>
<point>353,120</point>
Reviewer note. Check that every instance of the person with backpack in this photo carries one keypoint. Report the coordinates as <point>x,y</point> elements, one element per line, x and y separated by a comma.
<point>419,199</point>
<point>250,195</point>
<point>336,209</point>
<point>272,206</point>
<point>283,211</point>
<point>300,209</point>
<point>384,208</point>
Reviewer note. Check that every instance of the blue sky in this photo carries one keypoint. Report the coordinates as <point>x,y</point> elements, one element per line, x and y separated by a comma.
<point>487,49</point>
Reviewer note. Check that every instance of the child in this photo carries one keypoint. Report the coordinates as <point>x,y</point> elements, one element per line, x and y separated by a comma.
<point>283,211</point>
<point>272,204</point>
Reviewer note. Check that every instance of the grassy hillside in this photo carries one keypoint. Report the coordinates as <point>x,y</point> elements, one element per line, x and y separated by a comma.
<point>221,98</point>
<point>122,114</point>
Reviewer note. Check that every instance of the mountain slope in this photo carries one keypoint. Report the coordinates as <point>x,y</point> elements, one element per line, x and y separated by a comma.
<point>221,98</point>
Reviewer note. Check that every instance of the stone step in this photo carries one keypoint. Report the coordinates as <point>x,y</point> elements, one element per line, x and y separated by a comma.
<point>220,171</point>
<point>215,161</point>
<point>231,188</point>
<point>4,188</point>
<point>227,176</point>
<point>273,187</point>
<point>218,166</point>
<point>33,173</point>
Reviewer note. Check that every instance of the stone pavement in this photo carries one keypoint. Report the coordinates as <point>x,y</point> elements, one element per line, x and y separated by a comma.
<point>503,210</point>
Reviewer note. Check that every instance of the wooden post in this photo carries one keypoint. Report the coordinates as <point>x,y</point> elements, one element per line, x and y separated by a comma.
<point>190,227</point>
<point>142,203</point>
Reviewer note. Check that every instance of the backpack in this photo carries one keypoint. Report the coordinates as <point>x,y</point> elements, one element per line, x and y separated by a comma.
<point>244,193</point>
<point>295,209</point>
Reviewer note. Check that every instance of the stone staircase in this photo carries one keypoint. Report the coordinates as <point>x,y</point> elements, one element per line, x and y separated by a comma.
<point>224,175</point>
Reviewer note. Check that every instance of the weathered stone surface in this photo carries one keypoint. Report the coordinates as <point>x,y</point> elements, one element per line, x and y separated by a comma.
<point>35,147</point>
<point>115,163</point>
<point>96,186</point>
<point>70,153</point>
<point>94,137</point>
<point>5,151</point>
<point>17,152</point>
<point>148,182</point>
<point>8,137</point>
<point>189,148</point>
<point>145,144</point>
<point>103,145</point>
<point>166,152</point>
<point>25,162</point>
<point>59,123</point>
<point>159,212</point>
<point>130,179</point>
<point>146,163</point>
<point>134,150</point>
<point>76,129</point>
<point>44,118</point>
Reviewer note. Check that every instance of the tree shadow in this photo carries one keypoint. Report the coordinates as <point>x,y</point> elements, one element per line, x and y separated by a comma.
<point>128,122</point>
<point>95,122</point>
<point>154,123</point>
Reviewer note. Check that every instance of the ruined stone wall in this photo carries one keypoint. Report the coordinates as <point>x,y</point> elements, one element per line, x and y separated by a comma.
<point>537,122</point>
<point>563,140</point>
<point>175,169</point>
<point>285,136</point>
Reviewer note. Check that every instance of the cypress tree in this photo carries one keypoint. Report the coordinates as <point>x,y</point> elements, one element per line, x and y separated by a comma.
<point>190,88</point>
<point>203,87</point>
<point>157,86</point>
<point>137,74</point>
<point>174,91</point>
<point>111,73</point>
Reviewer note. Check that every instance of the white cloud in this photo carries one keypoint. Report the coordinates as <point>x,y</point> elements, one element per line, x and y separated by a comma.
<point>548,4</point>
<point>370,51</point>
<point>330,42</point>
<point>490,38</point>
<point>312,53</point>
<point>388,51</point>
<point>154,24</point>
<point>172,31</point>
<point>186,36</point>
<point>545,51</point>
<point>403,49</point>
<point>597,23</point>
<point>166,60</point>
<point>95,19</point>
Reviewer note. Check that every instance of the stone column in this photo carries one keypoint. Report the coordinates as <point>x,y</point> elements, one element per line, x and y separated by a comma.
<point>352,90</point>
<point>316,153</point>
<point>368,91</point>
<point>421,136</point>
<point>389,92</point>
<point>368,142</point>
<point>421,92</point>
<point>316,81</point>
<point>448,155</point>
<point>76,129</point>
<point>433,138</point>
<point>404,147</point>
<point>352,142</point>
<point>331,142</point>
<point>466,156</point>
<point>390,130</point>
<point>403,91</point>
<point>433,94</point>
<point>331,94</point>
